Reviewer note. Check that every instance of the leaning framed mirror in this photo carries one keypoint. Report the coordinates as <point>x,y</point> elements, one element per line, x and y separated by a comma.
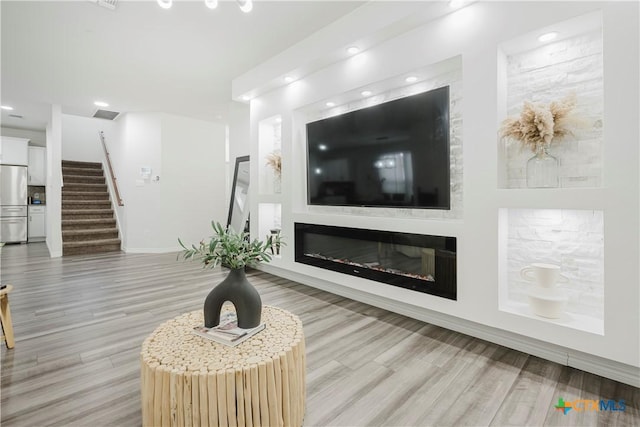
<point>238,218</point>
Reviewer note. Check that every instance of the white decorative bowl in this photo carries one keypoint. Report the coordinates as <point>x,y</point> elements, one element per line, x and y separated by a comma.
<point>547,304</point>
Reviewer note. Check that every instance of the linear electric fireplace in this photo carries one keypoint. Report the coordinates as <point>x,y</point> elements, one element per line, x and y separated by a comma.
<point>418,262</point>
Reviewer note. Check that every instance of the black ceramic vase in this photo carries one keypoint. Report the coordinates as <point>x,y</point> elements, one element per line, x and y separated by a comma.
<point>236,289</point>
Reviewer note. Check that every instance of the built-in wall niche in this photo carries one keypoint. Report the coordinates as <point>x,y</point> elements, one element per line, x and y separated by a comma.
<point>269,222</point>
<point>269,155</point>
<point>548,65</point>
<point>570,239</point>
<point>444,73</point>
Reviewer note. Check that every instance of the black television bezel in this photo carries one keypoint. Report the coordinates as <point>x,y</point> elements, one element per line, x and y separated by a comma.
<point>386,206</point>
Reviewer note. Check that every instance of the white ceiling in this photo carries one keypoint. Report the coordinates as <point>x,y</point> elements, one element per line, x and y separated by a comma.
<point>140,57</point>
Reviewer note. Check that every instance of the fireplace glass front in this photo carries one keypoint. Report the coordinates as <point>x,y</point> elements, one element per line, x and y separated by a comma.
<point>422,263</point>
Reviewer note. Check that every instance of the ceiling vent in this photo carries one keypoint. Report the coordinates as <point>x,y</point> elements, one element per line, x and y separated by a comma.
<point>109,4</point>
<point>105,114</point>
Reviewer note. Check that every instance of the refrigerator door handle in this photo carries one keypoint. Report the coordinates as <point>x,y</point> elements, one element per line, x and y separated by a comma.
<point>13,211</point>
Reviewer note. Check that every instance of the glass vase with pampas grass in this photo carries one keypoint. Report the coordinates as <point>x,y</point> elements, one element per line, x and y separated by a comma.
<point>274,160</point>
<point>536,128</point>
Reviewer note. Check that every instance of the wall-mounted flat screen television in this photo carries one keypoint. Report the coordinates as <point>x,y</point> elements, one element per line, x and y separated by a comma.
<point>391,154</point>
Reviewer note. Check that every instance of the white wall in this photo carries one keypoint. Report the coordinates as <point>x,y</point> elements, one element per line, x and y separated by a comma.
<point>80,140</point>
<point>141,147</point>
<point>118,156</point>
<point>239,141</point>
<point>188,157</point>
<point>192,183</point>
<point>54,182</point>
<point>475,33</point>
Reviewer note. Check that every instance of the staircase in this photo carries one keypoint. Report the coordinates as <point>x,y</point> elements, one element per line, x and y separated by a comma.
<point>88,224</point>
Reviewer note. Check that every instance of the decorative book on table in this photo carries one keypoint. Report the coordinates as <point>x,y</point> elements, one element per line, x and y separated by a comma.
<point>227,332</point>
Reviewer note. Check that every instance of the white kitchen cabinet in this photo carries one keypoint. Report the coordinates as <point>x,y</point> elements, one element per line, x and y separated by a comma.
<point>37,166</point>
<point>36,229</point>
<point>14,151</point>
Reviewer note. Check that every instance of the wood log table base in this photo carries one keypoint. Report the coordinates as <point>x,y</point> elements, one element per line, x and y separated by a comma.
<point>189,380</point>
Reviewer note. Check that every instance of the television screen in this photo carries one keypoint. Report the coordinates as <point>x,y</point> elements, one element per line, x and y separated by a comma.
<point>391,154</point>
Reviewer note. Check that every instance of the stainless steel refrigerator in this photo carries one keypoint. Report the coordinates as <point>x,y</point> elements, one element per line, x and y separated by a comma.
<point>13,204</point>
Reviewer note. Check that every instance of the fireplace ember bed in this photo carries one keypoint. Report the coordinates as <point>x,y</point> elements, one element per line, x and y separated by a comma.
<point>422,263</point>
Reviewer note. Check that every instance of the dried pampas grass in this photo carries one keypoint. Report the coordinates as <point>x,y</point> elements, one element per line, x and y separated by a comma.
<point>274,159</point>
<point>540,124</point>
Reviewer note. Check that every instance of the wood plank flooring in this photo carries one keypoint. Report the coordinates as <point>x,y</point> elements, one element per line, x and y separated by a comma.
<point>79,323</point>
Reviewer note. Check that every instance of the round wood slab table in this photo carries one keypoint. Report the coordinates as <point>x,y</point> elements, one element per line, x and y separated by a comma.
<point>189,380</point>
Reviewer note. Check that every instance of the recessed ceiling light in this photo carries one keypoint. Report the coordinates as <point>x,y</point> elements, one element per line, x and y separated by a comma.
<point>411,79</point>
<point>245,5</point>
<point>211,4</point>
<point>100,104</point>
<point>288,79</point>
<point>366,93</point>
<point>548,37</point>
<point>352,50</point>
<point>165,4</point>
<point>322,147</point>
<point>330,104</point>
<point>6,107</point>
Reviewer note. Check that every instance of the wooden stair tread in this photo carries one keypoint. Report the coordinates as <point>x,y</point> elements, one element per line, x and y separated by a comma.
<point>84,184</point>
<point>76,179</point>
<point>87,220</point>
<point>86,211</point>
<point>88,223</point>
<point>99,242</point>
<point>90,231</point>
<point>79,164</point>
<point>83,193</point>
<point>82,204</point>
<point>82,171</point>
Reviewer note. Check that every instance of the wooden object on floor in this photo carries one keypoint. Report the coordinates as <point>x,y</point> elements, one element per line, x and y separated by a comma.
<point>5,317</point>
<point>187,379</point>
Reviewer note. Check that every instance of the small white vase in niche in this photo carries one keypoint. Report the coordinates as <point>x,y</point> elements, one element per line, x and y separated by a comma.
<point>545,299</point>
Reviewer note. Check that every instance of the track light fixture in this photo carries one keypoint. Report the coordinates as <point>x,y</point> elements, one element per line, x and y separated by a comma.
<point>245,5</point>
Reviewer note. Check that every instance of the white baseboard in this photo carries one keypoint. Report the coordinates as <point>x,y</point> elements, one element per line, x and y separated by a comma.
<point>565,356</point>
<point>150,250</point>
<point>53,253</point>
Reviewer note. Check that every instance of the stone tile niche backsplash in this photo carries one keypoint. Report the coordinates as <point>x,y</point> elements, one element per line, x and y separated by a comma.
<point>573,239</point>
<point>550,73</point>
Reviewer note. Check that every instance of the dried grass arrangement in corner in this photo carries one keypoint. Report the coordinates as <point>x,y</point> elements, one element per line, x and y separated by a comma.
<point>274,159</point>
<point>539,124</point>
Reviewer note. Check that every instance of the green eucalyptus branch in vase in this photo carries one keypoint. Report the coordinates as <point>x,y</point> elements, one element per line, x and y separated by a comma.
<point>236,251</point>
